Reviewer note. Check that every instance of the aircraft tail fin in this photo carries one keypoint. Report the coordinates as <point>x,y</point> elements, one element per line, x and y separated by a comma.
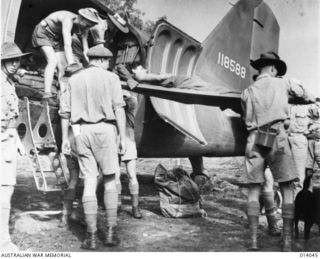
<point>247,30</point>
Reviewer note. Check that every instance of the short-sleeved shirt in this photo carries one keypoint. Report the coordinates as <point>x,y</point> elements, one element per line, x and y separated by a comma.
<point>266,100</point>
<point>93,95</point>
<point>9,100</point>
<point>299,119</point>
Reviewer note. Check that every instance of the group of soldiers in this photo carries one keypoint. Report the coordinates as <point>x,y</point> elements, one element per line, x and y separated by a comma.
<point>97,117</point>
<point>283,138</point>
<point>97,120</point>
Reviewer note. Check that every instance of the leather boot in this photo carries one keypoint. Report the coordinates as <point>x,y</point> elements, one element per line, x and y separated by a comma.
<point>90,242</point>
<point>111,237</point>
<point>136,213</point>
<point>272,224</point>
<point>287,234</point>
<point>253,226</point>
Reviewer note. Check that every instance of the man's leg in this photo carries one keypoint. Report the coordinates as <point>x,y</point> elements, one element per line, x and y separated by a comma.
<point>70,193</point>
<point>287,190</point>
<point>90,207</point>
<point>6,244</point>
<point>119,189</point>
<point>299,147</point>
<point>52,62</point>
<point>268,202</point>
<point>111,204</point>
<point>253,211</point>
<point>8,181</point>
<point>199,173</point>
<point>133,188</point>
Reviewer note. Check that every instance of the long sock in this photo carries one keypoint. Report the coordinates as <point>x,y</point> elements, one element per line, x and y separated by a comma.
<point>110,202</point>
<point>253,208</point>
<point>119,188</point>
<point>268,201</point>
<point>90,207</point>
<point>288,210</point>
<point>134,191</point>
<point>67,202</point>
<point>134,188</point>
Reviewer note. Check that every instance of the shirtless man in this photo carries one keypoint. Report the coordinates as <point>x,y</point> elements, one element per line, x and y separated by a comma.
<point>53,35</point>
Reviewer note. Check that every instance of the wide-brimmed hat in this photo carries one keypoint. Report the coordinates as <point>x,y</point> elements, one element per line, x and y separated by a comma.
<point>120,21</point>
<point>11,50</point>
<point>99,51</point>
<point>270,58</point>
<point>90,14</point>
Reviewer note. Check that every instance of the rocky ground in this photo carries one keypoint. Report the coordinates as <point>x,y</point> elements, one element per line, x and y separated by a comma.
<point>224,229</point>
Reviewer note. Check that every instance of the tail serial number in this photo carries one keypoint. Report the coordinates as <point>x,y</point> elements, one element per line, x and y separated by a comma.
<point>231,65</point>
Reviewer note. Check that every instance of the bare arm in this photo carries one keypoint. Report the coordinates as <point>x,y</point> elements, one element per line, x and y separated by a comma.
<point>144,76</point>
<point>84,39</point>
<point>67,24</point>
<point>295,89</point>
<point>118,108</point>
<point>65,113</point>
<point>66,147</point>
<point>121,123</point>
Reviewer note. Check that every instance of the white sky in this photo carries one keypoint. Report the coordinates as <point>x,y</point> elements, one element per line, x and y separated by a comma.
<point>299,29</point>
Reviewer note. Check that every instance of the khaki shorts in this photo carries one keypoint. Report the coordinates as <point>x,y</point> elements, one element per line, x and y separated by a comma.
<point>299,146</point>
<point>9,158</point>
<point>313,153</point>
<point>130,110</point>
<point>97,148</point>
<point>279,158</point>
<point>131,151</point>
<point>42,37</point>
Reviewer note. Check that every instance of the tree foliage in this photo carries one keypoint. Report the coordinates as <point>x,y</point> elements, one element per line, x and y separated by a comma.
<point>134,14</point>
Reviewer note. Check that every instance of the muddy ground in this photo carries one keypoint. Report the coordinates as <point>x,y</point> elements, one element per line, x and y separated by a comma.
<point>224,229</point>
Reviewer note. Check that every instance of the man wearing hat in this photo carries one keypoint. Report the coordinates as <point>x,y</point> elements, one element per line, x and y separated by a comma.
<point>94,105</point>
<point>265,108</point>
<point>112,24</point>
<point>10,141</point>
<point>54,34</point>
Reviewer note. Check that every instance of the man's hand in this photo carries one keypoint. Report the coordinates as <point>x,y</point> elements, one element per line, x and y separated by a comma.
<point>66,147</point>
<point>122,147</point>
<point>21,72</point>
<point>85,55</point>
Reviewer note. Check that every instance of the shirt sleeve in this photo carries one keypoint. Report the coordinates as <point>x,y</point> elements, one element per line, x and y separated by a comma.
<point>243,104</point>
<point>117,98</point>
<point>295,89</point>
<point>65,103</point>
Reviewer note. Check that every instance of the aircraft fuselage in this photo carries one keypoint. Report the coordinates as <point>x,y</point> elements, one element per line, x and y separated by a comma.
<point>223,130</point>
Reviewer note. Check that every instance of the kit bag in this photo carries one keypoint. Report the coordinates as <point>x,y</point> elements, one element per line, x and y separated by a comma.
<point>266,136</point>
<point>179,195</point>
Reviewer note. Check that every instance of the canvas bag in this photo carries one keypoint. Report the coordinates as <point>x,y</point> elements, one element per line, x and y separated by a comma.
<point>179,195</point>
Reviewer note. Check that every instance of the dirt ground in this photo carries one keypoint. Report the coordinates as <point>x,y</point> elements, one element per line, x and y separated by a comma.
<point>223,230</point>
